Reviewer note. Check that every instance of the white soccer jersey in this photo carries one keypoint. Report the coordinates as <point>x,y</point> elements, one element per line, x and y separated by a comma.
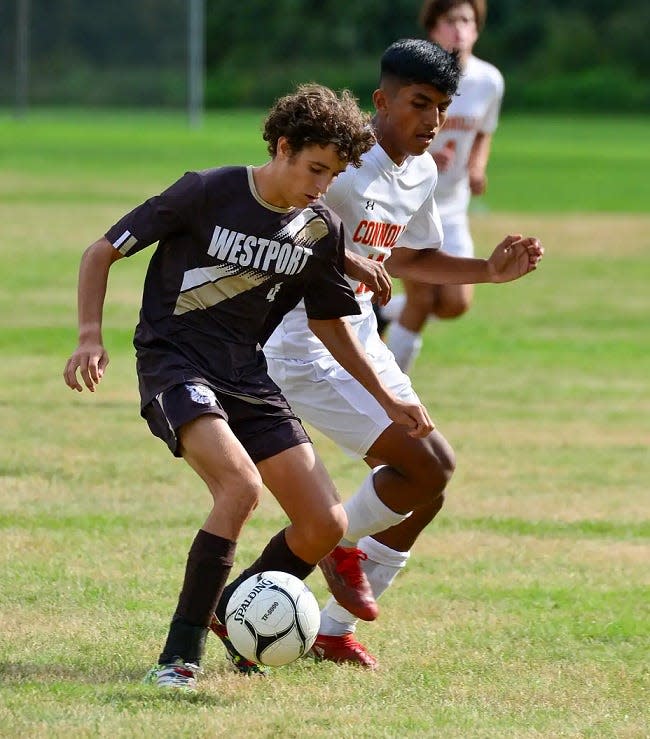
<point>475,109</point>
<point>382,205</point>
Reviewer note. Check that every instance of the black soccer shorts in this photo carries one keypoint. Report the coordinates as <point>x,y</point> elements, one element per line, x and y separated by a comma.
<point>264,427</point>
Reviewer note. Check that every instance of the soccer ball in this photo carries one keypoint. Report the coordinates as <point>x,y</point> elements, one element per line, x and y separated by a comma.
<point>272,618</point>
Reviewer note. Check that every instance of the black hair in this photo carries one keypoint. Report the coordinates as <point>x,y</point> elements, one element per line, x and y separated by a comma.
<point>416,61</point>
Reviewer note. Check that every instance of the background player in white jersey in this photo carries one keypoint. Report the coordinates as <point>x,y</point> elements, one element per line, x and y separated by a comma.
<point>388,210</point>
<point>229,239</point>
<point>461,150</point>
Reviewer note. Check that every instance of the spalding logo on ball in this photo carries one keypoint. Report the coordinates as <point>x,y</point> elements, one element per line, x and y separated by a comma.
<point>272,618</point>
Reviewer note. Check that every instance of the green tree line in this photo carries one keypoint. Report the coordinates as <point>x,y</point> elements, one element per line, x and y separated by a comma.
<point>591,55</point>
<point>570,55</point>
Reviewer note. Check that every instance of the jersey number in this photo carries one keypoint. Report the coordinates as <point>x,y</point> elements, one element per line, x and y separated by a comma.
<point>273,292</point>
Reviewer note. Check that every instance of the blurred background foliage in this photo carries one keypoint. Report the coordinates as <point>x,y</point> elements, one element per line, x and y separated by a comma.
<point>582,55</point>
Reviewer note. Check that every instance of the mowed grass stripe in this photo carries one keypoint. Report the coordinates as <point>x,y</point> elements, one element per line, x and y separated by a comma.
<point>115,523</point>
<point>539,163</point>
<point>584,529</point>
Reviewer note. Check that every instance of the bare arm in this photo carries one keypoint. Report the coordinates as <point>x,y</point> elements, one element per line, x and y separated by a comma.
<point>90,357</point>
<point>514,257</point>
<point>344,346</point>
<point>477,163</point>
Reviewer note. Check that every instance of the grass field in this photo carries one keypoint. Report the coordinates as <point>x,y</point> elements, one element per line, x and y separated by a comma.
<point>525,609</point>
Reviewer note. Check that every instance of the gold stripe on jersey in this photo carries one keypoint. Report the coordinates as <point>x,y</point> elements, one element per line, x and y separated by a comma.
<point>308,227</point>
<point>205,287</point>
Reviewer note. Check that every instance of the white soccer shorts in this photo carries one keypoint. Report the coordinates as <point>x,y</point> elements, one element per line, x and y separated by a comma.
<point>458,239</point>
<point>328,398</point>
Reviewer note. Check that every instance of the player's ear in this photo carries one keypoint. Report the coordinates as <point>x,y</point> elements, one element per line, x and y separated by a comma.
<point>283,149</point>
<point>380,100</point>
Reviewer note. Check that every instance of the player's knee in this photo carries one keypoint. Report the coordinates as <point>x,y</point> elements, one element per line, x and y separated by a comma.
<point>452,308</point>
<point>420,302</point>
<point>251,491</point>
<point>438,469</point>
<point>244,492</point>
<point>337,524</point>
<point>427,512</point>
<point>327,529</point>
<point>447,459</point>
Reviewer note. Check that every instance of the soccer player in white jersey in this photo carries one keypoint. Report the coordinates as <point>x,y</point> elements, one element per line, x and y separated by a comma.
<point>461,151</point>
<point>387,209</point>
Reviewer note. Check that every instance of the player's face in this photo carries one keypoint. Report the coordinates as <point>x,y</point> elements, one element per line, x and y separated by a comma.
<point>308,173</point>
<point>456,29</point>
<point>409,118</point>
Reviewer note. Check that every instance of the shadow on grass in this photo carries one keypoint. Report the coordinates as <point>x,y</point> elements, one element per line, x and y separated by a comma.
<point>124,687</point>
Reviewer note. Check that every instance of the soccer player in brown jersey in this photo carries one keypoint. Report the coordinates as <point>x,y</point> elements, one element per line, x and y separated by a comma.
<point>230,241</point>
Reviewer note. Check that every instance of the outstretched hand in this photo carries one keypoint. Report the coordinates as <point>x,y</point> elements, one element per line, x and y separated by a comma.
<point>371,273</point>
<point>515,257</point>
<point>91,360</point>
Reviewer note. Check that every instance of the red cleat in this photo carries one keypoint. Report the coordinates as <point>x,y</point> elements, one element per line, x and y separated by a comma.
<point>343,648</point>
<point>348,583</point>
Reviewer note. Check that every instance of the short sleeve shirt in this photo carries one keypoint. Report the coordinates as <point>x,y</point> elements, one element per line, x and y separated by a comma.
<point>223,256</point>
<point>383,205</point>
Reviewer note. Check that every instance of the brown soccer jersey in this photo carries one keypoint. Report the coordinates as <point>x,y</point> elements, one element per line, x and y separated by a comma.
<point>223,257</point>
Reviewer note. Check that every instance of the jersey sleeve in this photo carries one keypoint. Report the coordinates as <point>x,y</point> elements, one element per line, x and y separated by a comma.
<point>424,230</point>
<point>158,217</point>
<point>327,292</point>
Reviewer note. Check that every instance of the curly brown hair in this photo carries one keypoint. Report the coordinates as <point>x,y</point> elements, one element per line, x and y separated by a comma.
<point>314,114</point>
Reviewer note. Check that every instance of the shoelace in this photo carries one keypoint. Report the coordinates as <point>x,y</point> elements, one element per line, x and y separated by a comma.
<point>348,565</point>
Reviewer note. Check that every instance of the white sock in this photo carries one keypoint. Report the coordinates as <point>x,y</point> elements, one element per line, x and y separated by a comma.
<point>381,569</point>
<point>335,620</point>
<point>404,344</point>
<point>393,309</point>
<point>367,514</point>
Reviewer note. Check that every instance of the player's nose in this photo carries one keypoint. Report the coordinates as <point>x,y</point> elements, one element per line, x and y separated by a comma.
<point>322,183</point>
<point>432,118</point>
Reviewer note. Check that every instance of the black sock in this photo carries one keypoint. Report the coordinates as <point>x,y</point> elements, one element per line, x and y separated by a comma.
<point>276,556</point>
<point>208,565</point>
<point>184,641</point>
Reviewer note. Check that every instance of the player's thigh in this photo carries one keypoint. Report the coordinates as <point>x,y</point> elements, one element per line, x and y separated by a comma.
<point>210,447</point>
<point>328,398</point>
<point>302,486</point>
<point>191,420</point>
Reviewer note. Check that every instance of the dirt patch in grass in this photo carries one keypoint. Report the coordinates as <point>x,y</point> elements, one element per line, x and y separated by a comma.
<point>578,234</point>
